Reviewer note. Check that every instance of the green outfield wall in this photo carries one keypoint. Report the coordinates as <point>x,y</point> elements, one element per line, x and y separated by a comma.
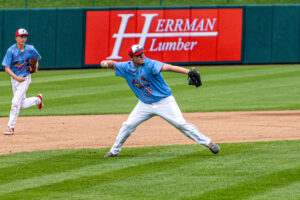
<point>258,34</point>
<point>56,33</point>
<point>1,36</point>
<point>270,34</point>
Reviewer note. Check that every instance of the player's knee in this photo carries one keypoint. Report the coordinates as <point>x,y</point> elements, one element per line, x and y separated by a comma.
<point>15,104</point>
<point>128,126</point>
<point>180,124</point>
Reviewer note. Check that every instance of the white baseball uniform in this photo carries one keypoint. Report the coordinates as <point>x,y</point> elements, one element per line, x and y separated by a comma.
<point>18,62</point>
<point>155,99</point>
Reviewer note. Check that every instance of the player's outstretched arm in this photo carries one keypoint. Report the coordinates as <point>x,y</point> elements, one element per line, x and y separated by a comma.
<point>172,68</point>
<point>109,64</point>
<point>193,75</point>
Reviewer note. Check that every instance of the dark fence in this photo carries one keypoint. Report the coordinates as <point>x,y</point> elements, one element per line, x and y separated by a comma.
<point>271,34</point>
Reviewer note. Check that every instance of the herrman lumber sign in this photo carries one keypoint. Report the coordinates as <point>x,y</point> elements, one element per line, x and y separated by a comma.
<point>165,28</point>
<point>179,35</point>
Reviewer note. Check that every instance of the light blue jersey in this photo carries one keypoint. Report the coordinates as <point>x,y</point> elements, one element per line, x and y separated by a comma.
<point>145,81</point>
<point>19,61</point>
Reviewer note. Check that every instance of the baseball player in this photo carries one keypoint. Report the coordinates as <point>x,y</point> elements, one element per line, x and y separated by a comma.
<point>143,76</point>
<point>16,63</point>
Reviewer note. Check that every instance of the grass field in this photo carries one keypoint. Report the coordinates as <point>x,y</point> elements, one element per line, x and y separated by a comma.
<point>95,91</point>
<point>249,171</point>
<point>263,170</point>
<point>252,171</point>
<point>111,3</point>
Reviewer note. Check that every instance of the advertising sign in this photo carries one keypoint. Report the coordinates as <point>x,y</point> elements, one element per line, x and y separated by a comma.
<point>168,35</point>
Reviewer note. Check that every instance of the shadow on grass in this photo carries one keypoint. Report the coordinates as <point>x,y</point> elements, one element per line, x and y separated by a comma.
<point>258,186</point>
<point>114,175</point>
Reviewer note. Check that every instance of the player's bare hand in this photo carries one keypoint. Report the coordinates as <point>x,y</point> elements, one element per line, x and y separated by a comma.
<point>107,64</point>
<point>20,79</point>
<point>104,64</point>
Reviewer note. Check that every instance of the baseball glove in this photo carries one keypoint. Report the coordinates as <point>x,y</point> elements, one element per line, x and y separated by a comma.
<point>194,78</point>
<point>33,65</point>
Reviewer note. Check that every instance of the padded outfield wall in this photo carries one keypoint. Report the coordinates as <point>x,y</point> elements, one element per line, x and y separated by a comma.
<point>81,37</point>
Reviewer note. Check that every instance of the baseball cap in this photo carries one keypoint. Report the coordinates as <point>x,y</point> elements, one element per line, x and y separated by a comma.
<point>21,32</point>
<point>135,50</point>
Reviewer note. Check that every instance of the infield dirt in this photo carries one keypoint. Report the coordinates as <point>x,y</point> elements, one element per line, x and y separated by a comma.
<point>96,131</point>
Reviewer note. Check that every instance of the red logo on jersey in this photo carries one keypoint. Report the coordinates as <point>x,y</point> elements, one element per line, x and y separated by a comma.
<point>144,79</point>
<point>136,83</point>
<point>141,85</point>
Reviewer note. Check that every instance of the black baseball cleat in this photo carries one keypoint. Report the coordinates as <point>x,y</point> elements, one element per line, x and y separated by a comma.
<point>110,154</point>
<point>213,147</point>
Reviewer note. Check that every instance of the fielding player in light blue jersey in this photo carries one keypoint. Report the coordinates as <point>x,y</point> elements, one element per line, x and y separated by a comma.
<point>146,82</point>
<point>143,76</point>
<point>16,63</point>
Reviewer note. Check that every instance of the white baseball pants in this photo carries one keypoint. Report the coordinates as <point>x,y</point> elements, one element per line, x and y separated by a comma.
<point>19,100</point>
<point>166,108</point>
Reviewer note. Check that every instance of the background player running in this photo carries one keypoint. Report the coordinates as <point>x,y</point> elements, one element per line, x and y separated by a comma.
<point>16,63</point>
<point>143,76</point>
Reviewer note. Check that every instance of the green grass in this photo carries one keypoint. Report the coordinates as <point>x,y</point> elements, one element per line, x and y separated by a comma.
<point>97,91</point>
<point>262,170</point>
<point>112,3</point>
<point>252,171</point>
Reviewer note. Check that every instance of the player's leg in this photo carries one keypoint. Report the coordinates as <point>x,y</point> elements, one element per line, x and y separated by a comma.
<point>19,90</point>
<point>139,114</point>
<point>169,110</point>
<point>31,101</point>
